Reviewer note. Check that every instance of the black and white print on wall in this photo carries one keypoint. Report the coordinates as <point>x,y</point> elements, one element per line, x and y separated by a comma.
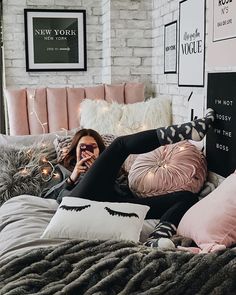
<point>170,48</point>
<point>221,140</point>
<point>224,19</point>
<point>55,40</point>
<point>191,43</point>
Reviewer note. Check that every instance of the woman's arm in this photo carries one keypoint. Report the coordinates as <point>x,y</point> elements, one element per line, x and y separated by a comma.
<point>66,181</point>
<point>58,185</point>
<point>61,189</point>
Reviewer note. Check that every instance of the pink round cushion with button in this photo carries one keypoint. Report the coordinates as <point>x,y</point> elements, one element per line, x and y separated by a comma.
<point>169,168</point>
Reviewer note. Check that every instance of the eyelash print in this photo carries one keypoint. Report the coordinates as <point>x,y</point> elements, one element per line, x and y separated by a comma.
<point>122,214</point>
<point>74,208</point>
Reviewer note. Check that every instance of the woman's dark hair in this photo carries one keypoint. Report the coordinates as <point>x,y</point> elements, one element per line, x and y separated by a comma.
<point>69,160</point>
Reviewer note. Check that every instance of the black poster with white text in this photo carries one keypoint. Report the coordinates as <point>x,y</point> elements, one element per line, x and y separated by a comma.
<point>221,140</point>
<point>55,40</point>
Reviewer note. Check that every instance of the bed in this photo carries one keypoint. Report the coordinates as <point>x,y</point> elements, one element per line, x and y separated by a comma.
<point>32,265</point>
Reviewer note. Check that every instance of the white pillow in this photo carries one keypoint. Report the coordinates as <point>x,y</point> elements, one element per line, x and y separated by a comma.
<point>78,218</point>
<point>121,119</point>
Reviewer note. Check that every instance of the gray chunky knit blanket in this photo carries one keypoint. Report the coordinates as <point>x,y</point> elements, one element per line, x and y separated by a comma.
<point>117,267</point>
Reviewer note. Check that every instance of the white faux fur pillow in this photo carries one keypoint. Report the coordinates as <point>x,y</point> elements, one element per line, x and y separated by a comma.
<point>121,119</point>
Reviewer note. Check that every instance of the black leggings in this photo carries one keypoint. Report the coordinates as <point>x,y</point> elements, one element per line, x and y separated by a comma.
<point>99,181</point>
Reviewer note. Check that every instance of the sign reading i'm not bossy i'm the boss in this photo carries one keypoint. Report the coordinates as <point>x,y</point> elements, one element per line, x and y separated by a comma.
<point>221,140</point>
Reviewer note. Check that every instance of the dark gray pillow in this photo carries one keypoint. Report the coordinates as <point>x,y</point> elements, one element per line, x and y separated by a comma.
<point>20,170</point>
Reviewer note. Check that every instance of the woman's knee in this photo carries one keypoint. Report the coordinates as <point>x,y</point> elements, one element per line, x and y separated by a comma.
<point>118,143</point>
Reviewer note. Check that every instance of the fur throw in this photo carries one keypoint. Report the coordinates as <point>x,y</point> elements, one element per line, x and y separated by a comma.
<point>122,267</point>
<point>20,171</point>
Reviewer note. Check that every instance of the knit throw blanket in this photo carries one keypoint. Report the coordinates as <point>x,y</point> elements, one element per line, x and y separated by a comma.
<point>117,267</point>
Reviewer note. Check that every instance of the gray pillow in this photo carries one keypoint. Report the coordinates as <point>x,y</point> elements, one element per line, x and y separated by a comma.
<point>21,170</point>
<point>28,140</point>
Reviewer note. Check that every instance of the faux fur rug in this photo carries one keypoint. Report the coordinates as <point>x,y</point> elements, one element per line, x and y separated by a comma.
<point>107,268</point>
<point>19,170</point>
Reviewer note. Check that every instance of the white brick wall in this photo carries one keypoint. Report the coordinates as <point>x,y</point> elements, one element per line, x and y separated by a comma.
<point>127,27</point>
<point>163,12</point>
<point>117,34</point>
<point>135,35</point>
<point>125,41</point>
<point>14,45</point>
<point>106,37</point>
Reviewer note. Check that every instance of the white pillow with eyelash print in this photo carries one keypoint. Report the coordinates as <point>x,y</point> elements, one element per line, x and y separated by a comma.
<point>78,218</point>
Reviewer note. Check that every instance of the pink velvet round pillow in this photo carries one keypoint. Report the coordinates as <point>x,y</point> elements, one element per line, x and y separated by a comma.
<point>169,168</point>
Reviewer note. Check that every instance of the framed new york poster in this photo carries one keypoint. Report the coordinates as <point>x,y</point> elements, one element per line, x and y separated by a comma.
<point>55,40</point>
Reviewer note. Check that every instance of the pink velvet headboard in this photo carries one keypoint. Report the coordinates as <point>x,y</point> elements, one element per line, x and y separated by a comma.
<point>57,108</point>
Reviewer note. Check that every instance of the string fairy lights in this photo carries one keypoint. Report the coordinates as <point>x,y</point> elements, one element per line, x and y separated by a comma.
<point>39,161</point>
<point>46,167</point>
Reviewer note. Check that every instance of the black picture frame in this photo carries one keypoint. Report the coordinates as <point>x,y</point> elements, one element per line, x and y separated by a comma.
<point>55,40</point>
<point>170,48</point>
<point>192,28</point>
<point>223,20</point>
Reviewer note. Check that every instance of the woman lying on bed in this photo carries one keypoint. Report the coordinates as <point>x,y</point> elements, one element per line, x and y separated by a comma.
<point>92,173</point>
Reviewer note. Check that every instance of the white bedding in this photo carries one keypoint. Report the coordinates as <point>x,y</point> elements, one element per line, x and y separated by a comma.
<point>22,222</point>
<point>24,218</point>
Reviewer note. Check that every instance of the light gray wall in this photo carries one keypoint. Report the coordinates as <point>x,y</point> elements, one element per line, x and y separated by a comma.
<point>220,56</point>
<point>125,41</point>
<point>118,32</point>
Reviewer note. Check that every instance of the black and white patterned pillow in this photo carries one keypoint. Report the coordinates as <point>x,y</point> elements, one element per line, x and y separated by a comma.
<point>62,144</point>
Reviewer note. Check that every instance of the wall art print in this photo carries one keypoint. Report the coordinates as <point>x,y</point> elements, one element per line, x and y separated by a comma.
<point>224,20</point>
<point>55,40</point>
<point>191,43</point>
<point>170,48</point>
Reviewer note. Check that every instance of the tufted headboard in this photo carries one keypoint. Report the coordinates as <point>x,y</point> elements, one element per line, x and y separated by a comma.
<point>45,110</point>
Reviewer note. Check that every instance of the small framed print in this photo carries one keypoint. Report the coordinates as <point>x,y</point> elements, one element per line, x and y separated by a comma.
<point>55,40</point>
<point>170,48</point>
<point>224,20</point>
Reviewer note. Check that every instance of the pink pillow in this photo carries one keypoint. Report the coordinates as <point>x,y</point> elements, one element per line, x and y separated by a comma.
<point>212,221</point>
<point>115,93</point>
<point>95,92</point>
<point>169,168</point>
<point>134,92</point>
